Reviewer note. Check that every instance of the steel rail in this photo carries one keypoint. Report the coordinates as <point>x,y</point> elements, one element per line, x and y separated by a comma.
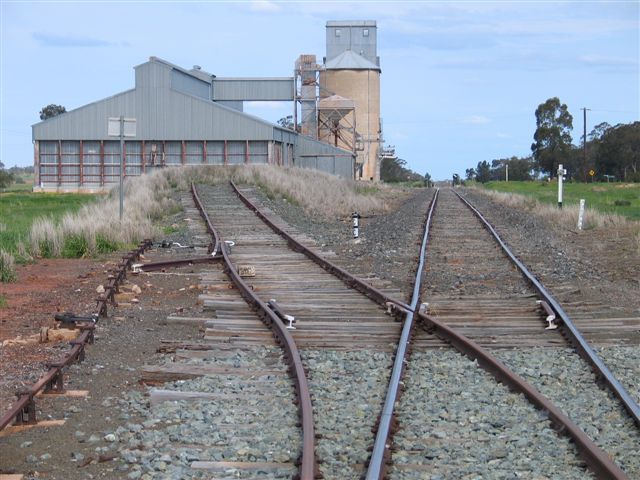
<point>308,464</point>
<point>155,266</point>
<point>352,281</point>
<point>576,338</point>
<point>376,468</point>
<point>215,250</point>
<point>597,460</point>
<point>23,411</point>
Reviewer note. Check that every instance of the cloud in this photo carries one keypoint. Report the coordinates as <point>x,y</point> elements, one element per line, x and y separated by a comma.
<point>53,40</point>
<point>476,120</point>
<point>264,6</point>
<point>503,135</point>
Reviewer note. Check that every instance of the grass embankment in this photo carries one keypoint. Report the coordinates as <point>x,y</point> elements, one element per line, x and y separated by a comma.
<point>609,198</point>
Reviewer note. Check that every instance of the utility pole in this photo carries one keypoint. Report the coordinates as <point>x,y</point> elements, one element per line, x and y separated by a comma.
<point>584,139</point>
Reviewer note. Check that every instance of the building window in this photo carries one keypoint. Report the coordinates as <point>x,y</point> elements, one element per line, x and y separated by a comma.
<point>365,32</point>
<point>337,32</point>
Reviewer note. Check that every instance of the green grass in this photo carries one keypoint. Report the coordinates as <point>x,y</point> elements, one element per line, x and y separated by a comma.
<point>19,209</point>
<point>3,302</point>
<point>620,198</point>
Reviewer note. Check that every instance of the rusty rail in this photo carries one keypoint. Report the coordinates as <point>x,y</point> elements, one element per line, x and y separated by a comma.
<point>575,337</point>
<point>155,266</point>
<point>308,465</point>
<point>23,411</point>
<point>597,460</point>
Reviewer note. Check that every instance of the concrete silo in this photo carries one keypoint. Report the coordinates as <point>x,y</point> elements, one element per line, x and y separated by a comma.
<point>352,70</point>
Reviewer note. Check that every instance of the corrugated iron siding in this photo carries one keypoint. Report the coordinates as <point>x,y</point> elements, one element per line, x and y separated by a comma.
<point>310,153</point>
<point>253,89</point>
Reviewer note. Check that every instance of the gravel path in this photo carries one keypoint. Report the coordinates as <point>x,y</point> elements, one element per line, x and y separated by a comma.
<point>348,390</point>
<point>473,427</point>
<point>254,420</point>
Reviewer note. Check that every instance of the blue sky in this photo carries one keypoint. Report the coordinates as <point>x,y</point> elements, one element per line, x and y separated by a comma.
<point>460,80</point>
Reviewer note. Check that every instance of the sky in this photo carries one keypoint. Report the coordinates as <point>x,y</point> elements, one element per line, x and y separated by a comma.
<point>460,80</point>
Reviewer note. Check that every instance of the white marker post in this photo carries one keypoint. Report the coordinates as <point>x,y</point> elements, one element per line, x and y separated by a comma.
<point>581,214</point>
<point>356,227</point>
<point>561,173</point>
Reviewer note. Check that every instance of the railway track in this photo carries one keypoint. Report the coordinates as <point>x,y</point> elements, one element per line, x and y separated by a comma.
<point>255,399</point>
<point>595,458</point>
<point>464,263</point>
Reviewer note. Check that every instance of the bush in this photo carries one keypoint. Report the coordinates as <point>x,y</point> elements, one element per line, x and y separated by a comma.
<point>75,246</point>
<point>622,203</point>
<point>7,267</point>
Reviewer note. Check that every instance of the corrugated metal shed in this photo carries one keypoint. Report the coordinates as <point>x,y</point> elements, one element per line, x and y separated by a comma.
<point>161,111</point>
<point>318,155</point>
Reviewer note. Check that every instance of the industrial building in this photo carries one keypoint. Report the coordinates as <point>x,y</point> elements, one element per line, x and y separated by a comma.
<point>192,117</point>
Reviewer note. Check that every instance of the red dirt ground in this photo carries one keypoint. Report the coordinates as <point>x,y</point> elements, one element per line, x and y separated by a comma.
<point>42,290</point>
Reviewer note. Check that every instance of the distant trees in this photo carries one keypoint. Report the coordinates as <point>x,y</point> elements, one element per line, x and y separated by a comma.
<point>51,110</point>
<point>286,122</point>
<point>483,172</point>
<point>427,180</point>
<point>470,174</point>
<point>395,170</point>
<point>552,137</point>
<point>519,169</point>
<point>6,178</point>
<point>616,150</point>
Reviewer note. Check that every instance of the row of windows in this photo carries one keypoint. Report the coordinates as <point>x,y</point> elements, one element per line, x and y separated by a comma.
<point>365,32</point>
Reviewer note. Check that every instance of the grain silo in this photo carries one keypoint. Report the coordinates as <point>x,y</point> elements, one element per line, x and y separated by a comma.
<point>352,70</point>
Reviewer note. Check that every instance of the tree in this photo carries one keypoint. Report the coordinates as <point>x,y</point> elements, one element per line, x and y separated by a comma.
<point>51,110</point>
<point>618,152</point>
<point>286,122</point>
<point>470,174</point>
<point>394,169</point>
<point>427,180</point>
<point>483,172</point>
<point>6,178</point>
<point>552,136</point>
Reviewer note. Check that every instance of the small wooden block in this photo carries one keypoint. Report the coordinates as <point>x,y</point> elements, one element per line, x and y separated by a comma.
<point>246,270</point>
<point>21,428</point>
<point>11,476</point>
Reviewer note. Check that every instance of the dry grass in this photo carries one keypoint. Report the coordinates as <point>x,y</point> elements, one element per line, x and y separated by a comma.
<point>316,192</point>
<point>7,267</point>
<point>96,228</point>
<point>566,217</point>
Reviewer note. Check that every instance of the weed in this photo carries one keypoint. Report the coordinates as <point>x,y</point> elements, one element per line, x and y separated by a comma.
<point>103,245</point>
<point>3,302</point>
<point>622,203</point>
<point>75,246</point>
<point>7,267</point>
